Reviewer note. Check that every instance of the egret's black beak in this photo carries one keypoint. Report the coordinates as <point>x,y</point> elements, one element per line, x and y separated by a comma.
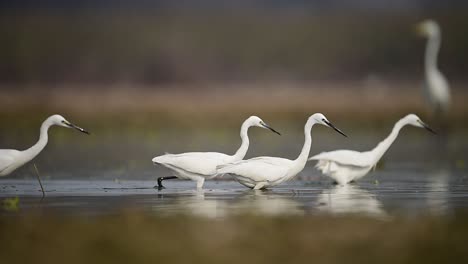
<point>268,127</point>
<point>76,127</point>
<point>428,128</point>
<point>336,129</point>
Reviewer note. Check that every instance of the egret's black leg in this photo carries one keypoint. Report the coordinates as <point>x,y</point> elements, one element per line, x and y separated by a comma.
<point>160,179</point>
<point>40,183</point>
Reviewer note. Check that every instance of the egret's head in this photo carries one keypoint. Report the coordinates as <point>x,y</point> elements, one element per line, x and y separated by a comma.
<point>428,28</point>
<point>321,119</point>
<point>61,121</point>
<point>257,121</point>
<point>414,120</point>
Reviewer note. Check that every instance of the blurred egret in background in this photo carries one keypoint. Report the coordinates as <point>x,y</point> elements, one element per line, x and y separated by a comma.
<point>436,85</point>
<point>197,166</point>
<point>11,159</point>
<point>262,172</point>
<point>345,166</point>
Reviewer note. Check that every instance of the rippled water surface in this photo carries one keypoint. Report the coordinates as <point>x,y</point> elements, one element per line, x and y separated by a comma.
<point>382,194</point>
<point>108,172</point>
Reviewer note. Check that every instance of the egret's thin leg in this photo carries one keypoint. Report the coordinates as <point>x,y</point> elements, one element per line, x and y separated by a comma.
<point>200,183</point>
<point>39,179</point>
<point>259,186</point>
<point>160,179</point>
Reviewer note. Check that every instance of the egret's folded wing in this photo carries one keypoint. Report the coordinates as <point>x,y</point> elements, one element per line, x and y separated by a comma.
<point>7,156</point>
<point>326,166</point>
<point>345,157</point>
<point>194,162</point>
<point>257,169</point>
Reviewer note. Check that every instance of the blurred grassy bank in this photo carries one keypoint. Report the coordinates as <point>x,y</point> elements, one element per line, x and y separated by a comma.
<point>130,125</point>
<point>132,237</point>
<point>369,98</point>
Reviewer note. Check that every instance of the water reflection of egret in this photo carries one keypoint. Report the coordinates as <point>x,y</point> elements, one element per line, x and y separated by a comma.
<point>438,191</point>
<point>345,166</point>
<point>194,203</point>
<point>11,159</point>
<point>262,172</point>
<point>198,166</point>
<point>350,199</point>
<point>437,87</point>
<point>208,204</point>
<point>266,203</point>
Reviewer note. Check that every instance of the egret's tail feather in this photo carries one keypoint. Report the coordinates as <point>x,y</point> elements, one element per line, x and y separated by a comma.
<point>161,159</point>
<point>317,157</point>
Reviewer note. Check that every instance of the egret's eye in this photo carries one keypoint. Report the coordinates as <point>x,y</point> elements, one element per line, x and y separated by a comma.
<point>323,119</point>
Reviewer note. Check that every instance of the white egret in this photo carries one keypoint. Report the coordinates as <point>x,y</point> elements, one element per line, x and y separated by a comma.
<point>436,85</point>
<point>345,166</point>
<point>11,159</point>
<point>198,166</point>
<point>262,172</point>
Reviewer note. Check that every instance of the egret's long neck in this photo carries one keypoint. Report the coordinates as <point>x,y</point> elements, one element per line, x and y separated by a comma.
<point>302,158</point>
<point>240,153</point>
<point>383,146</point>
<point>432,51</point>
<point>41,143</point>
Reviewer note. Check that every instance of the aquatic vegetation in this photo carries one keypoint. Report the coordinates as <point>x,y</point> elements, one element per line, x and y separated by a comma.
<point>10,204</point>
<point>460,163</point>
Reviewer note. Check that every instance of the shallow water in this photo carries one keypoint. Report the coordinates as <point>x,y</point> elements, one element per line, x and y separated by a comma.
<point>382,194</point>
<point>109,172</point>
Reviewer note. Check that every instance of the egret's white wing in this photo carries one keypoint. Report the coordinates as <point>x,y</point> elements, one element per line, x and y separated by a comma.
<point>327,166</point>
<point>258,169</point>
<point>7,157</point>
<point>203,163</point>
<point>346,157</point>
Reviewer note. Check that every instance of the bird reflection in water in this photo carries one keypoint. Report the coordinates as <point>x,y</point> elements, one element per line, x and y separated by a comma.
<point>438,191</point>
<point>210,204</point>
<point>350,199</point>
<point>193,203</point>
<point>267,203</point>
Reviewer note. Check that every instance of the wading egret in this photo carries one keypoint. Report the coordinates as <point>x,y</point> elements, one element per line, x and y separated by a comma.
<point>345,166</point>
<point>436,85</point>
<point>262,172</point>
<point>198,166</point>
<point>11,159</point>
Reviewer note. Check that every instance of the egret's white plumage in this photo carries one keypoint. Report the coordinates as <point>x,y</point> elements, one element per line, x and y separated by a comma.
<point>262,172</point>
<point>345,166</point>
<point>198,166</point>
<point>436,85</point>
<point>11,159</point>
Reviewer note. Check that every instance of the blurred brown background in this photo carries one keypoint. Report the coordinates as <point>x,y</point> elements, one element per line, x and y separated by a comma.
<point>146,77</point>
<point>281,51</point>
